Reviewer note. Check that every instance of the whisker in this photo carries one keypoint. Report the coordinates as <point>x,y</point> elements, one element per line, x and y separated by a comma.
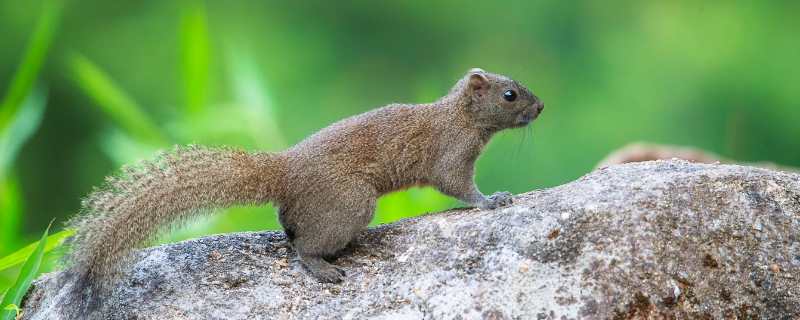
<point>530,143</point>
<point>521,141</point>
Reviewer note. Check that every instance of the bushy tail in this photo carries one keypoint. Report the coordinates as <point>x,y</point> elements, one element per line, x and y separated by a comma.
<point>135,206</point>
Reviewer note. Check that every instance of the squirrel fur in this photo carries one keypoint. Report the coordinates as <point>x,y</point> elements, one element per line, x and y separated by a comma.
<point>325,187</point>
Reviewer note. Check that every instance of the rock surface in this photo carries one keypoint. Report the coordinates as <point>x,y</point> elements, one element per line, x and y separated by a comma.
<point>655,240</point>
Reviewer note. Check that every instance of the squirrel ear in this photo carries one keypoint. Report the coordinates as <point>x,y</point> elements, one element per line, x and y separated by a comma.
<point>476,70</point>
<point>477,86</point>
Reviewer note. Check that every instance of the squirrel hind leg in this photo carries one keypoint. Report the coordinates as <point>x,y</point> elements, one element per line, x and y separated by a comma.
<point>315,251</point>
<point>313,262</point>
<point>315,257</point>
<point>318,243</point>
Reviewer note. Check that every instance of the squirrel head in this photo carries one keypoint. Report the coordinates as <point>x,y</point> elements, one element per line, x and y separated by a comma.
<point>498,102</point>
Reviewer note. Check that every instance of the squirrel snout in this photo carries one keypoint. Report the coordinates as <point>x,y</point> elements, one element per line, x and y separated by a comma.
<point>539,105</point>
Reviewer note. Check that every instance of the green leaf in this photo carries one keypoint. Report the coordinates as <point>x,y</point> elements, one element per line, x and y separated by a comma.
<point>27,273</point>
<point>20,256</point>
<point>194,55</point>
<point>13,307</point>
<point>117,104</point>
<point>31,63</point>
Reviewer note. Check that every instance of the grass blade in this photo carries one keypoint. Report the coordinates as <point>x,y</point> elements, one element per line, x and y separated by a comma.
<point>31,62</point>
<point>194,55</point>
<point>26,275</point>
<point>117,104</point>
<point>21,254</point>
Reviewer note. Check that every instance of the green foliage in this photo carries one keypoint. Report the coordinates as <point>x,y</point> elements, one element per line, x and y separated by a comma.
<point>112,100</point>
<point>252,96</point>
<point>397,205</point>
<point>10,212</point>
<point>21,112</point>
<point>248,121</point>
<point>32,61</point>
<point>14,294</point>
<point>22,126</point>
<point>15,308</point>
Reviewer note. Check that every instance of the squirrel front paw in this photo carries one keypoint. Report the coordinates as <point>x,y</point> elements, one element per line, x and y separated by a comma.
<point>498,199</point>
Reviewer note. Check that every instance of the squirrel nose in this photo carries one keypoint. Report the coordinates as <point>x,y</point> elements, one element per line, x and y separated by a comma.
<point>539,105</point>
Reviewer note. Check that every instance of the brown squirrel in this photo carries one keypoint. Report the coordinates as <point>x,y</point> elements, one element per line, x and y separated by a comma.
<point>325,187</point>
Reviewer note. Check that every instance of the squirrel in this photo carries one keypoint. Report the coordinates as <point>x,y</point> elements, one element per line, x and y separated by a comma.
<point>325,187</point>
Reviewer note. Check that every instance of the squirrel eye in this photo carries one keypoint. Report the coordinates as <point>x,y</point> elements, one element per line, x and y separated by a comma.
<point>510,95</point>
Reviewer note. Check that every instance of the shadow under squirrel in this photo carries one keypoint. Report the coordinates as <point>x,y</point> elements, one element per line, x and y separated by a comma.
<point>325,187</point>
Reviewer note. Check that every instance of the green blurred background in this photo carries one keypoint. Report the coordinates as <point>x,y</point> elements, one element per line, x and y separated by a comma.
<point>91,85</point>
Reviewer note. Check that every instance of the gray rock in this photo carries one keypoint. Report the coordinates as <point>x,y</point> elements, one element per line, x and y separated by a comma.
<point>655,240</point>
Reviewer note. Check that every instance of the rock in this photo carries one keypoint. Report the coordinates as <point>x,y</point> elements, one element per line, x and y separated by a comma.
<point>653,240</point>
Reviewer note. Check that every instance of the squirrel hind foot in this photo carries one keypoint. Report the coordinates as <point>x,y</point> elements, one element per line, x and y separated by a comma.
<point>323,271</point>
<point>497,200</point>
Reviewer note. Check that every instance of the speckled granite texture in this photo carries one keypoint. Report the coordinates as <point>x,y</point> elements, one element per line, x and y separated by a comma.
<point>654,240</point>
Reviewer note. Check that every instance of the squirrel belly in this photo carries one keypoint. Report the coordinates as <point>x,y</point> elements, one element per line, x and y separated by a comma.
<point>325,187</point>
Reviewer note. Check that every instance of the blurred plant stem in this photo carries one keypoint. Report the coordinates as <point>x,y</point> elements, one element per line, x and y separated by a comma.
<point>194,55</point>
